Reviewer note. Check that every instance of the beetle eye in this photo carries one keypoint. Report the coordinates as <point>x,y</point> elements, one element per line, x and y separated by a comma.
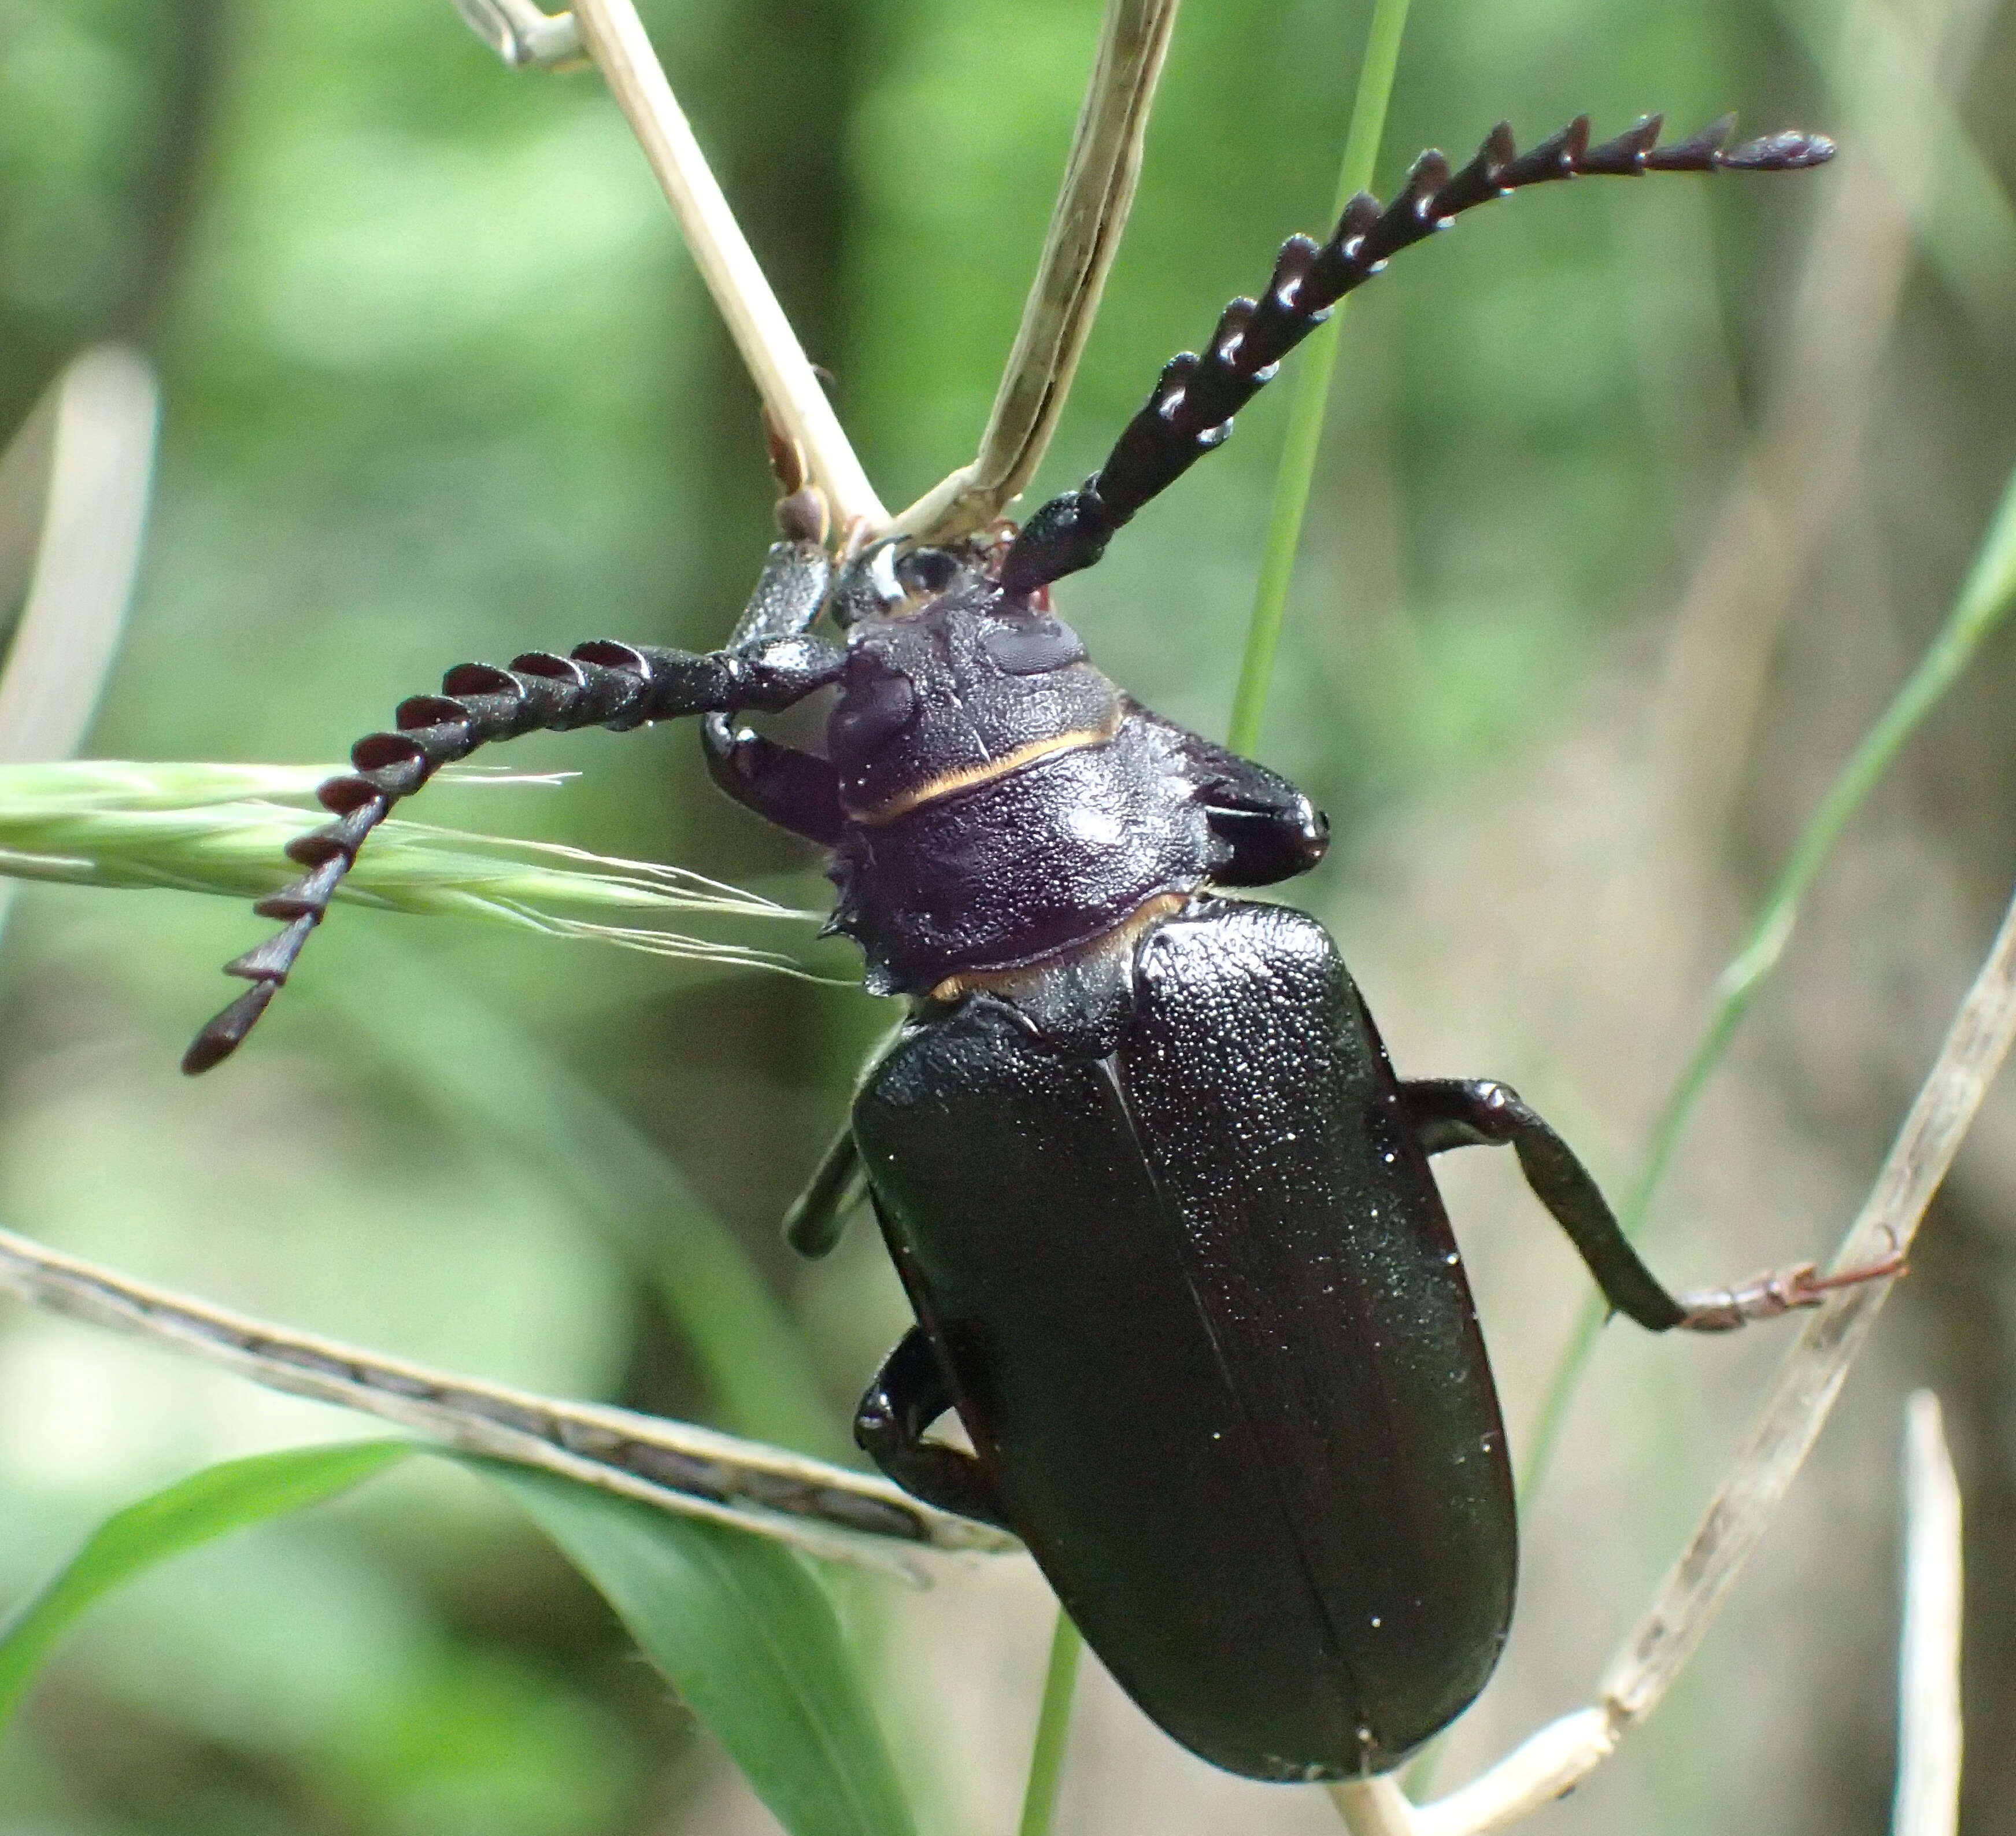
<point>926,570</point>
<point>870,713</point>
<point>1033,649</point>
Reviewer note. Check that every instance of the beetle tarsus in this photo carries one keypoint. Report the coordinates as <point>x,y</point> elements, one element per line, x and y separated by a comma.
<point>1191,409</point>
<point>1772,1295</point>
<point>910,1392</point>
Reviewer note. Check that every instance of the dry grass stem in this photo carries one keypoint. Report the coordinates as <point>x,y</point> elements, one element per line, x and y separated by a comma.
<point>1809,1377</point>
<point>1528,1778</point>
<point>824,1510</point>
<point>1085,232</point>
<point>1085,227</point>
<point>1928,1709</point>
<point>1374,1807</point>
<point>520,34</point>
<point>26,462</point>
<point>783,376</point>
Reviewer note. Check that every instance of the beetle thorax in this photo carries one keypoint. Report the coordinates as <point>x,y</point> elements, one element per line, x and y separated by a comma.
<point>962,690</point>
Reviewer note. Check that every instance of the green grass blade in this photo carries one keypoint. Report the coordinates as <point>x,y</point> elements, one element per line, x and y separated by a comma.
<point>502,1089</point>
<point>1311,393</point>
<point>746,1634</point>
<point>192,1511</point>
<point>1046,1760</point>
<point>1984,602</point>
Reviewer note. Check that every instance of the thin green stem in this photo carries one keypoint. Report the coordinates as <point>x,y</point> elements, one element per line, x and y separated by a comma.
<point>1984,600</point>
<point>1312,393</point>
<point>1046,1761</point>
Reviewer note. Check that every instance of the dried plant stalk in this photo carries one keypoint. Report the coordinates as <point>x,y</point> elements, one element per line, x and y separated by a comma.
<point>1928,1709</point>
<point>1091,207</point>
<point>1374,1807</point>
<point>1085,226</point>
<point>783,374</point>
<point>824,1510</point>
<point>1809,1377</point>
<point>75,483</point>
<point>101,467</point>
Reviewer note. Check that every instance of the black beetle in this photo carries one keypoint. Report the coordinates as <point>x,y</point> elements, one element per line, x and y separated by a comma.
<point>1163,1208</point>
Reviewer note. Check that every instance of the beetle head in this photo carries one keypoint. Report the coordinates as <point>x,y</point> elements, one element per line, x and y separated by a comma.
<point>893,578</point>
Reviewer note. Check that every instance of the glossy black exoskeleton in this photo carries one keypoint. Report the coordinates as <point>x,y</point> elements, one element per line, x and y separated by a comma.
<point>1162,1206</point>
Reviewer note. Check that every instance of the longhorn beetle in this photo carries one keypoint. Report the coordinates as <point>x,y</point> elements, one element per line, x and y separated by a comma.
<point>1162,1206</point>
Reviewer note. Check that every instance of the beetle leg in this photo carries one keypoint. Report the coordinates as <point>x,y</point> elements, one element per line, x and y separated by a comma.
<point>1477,1112</point>
<point>819,1215</point>
<point>790,592</point>
<point>1781,1290</point>
<point>797,790</point>
<point>1191,409</point>
<point>798,571</point>
<point>910,1392</point>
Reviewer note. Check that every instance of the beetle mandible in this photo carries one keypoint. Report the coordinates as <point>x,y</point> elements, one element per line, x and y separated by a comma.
<point>1162,1208</point>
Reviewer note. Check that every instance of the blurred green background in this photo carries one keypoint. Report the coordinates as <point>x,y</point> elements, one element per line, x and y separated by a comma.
<point>1638,501</point>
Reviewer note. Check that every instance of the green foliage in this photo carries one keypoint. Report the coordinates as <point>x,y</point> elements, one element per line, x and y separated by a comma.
<point>475,1743</point>
<point>503,1093</point>
<point>738,1624</point>
<point>207,1504</point>
<point>747,1637</point>
<point>1046,1761</point>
